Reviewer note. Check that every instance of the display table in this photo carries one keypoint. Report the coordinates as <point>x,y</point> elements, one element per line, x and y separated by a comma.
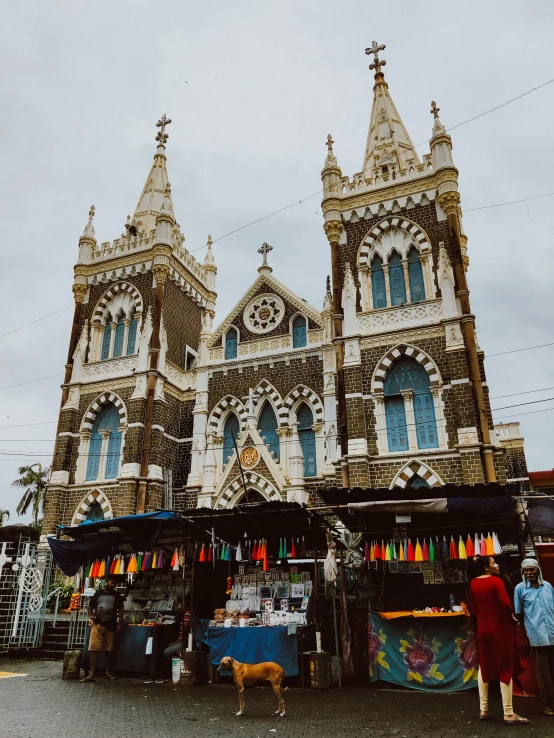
<point>130,650</point>
<point>435,652</point>
<point>255,645</point>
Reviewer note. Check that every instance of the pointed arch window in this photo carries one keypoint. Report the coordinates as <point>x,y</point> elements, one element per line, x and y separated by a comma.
<point>267,425</point>
<point>231,340</point>
<point>94,514</point>
<point>305,420</point>
<point>378,283</point>
<point>132,339</point>
<point>417,482</point>
<point>106,339</point>
<point>396,280</point>
<point>299,334</point>
<point>407,375</point>
<point>104,456</point>
<point>230,429</point>
<point>119,336</point>
<point>415,272</point>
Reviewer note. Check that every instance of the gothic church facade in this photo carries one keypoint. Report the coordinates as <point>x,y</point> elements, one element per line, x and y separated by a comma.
<point>384,387</point>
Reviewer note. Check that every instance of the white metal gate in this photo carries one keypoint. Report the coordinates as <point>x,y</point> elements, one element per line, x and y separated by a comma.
<point>25,571</point>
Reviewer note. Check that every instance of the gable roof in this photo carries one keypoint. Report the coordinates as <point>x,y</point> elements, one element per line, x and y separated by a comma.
<point>274,285</point>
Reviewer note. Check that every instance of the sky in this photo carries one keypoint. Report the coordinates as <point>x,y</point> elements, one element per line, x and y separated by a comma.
<point>253,89</point>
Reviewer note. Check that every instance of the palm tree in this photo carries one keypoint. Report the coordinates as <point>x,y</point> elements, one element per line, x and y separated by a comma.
<point>4,515</point>
<point>34,481</point>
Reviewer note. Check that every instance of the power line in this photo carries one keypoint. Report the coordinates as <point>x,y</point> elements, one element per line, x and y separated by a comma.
<point>520,404</point>
<point>510,202</point>
<point>425,141</point>
<point>515,394</point>
<point>44,422</point>
<point>9,333</point>
<point>31,381</point>
<point>515,351</point>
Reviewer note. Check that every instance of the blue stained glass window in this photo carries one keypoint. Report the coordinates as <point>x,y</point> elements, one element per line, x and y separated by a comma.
<point>417,288</point>
<point>267,425</point>
<point>106,340</point>
<point>396,280</point>
<point>107,419</point>
<point>231,427</point>
<point>119,336</point>
<point>407,374</point>
<point>132,340</point>
<point>299,337</point>
<point>417,481</point>
<point>305,420</point>
<point>378,283</point>
<point>94,514</point>
<point>231,344</point>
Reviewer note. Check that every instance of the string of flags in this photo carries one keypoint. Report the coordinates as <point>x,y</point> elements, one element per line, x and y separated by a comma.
<point>255,550</point>
<point>433,549</point>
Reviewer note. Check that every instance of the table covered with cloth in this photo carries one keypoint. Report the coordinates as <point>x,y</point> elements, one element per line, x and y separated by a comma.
<point>435,653</point>
<point>133,652</point>
<point>255,645</point>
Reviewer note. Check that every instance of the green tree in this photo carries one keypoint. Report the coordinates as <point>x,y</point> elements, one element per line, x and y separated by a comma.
<point>33,479</point>
<point>4,515</point>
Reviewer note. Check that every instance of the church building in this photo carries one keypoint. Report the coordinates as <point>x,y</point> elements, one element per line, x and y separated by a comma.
<point>384,387</point>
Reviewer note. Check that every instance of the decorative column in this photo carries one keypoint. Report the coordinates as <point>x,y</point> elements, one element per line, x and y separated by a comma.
<point>406,280</point>
<point>380,423</point>
<point>442,434</point>
<point>408,396</point>
<point>364,275</point>
<point>126,324</point>
<point>285,433</point>
<point>113,326</point>
<point>387,283</point>
<point>82,458</point>
<point>427,276</point>
<point>105,435</point>
<point>97,333</point>
<point>296,491</point>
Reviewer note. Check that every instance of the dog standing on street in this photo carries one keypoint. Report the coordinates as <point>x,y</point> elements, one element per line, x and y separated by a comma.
<point>247,675</point>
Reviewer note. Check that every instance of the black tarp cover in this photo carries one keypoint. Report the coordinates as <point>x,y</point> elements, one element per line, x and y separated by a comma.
<point>541,515</point>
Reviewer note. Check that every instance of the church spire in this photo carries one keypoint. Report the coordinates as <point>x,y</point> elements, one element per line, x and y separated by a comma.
<point>156,195</point>
<point>389,149</point>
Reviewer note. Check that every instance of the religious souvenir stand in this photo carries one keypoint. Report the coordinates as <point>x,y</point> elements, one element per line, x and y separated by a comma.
<point>247,573</point>
<point>409,597</point>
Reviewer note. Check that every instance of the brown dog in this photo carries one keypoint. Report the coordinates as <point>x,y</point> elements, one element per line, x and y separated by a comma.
<point>247,675</point>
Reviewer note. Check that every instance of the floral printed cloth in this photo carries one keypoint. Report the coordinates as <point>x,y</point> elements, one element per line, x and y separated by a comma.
<point>435,654</point>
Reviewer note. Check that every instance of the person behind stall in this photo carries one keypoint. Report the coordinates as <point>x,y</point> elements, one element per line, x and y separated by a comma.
<point>534,606</point>
<point>492,609</point>
<point>173,650</point>
<point>105,611</point>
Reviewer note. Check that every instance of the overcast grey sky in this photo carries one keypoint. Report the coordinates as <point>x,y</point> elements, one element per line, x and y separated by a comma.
<point>253,88</point>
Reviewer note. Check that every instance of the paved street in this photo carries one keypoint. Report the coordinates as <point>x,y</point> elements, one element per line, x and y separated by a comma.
<point>42,704</point>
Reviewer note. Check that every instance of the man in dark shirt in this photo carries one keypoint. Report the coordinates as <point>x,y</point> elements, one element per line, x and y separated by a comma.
<point>105,611</point>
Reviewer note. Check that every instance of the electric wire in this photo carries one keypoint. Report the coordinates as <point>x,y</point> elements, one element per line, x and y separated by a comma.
<point>21,327</point>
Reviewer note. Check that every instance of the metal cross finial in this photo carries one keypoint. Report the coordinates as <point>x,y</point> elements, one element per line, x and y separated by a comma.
<point>328,284</point>
<point>264,249</point>
<point>374,49</point>
<point>330,143</point>
<point>91,212</point>
<point>434,109</point>
<point>162,136</point>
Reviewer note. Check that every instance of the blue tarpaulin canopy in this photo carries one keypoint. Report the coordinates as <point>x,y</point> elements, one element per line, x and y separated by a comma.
<point>106,537</point>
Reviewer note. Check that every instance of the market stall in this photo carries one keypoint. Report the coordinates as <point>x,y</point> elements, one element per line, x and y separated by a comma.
<point>410,623</point>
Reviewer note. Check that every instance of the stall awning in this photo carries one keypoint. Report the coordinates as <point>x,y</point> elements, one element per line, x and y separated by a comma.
<point>106,537</point>
<point>373,511</point>
<point>261,519</point>
<point>541,515</point>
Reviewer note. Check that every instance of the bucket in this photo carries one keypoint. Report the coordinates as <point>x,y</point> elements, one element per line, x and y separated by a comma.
<point>176,670</point>
<point>320,670</point>
<point>195,668</point>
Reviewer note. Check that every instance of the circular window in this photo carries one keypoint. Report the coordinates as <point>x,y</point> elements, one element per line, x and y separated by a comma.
<point>264,313</point>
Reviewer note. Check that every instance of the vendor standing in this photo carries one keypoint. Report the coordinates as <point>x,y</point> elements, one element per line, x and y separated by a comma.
<point>105,611</point>
<point>534,606</point>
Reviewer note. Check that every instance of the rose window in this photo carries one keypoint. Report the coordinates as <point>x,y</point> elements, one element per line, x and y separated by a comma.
<point>264,313</point>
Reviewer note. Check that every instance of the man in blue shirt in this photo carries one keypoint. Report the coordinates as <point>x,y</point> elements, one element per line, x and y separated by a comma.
<point>534,606</point>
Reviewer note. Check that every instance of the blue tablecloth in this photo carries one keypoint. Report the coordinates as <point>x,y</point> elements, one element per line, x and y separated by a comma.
<point>437,654</point>
<point>254,645</point>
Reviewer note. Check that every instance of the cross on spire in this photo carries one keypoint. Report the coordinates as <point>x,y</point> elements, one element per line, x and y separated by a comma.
<point>330,143</point>
<point>434,109</point>
<point>264,249</point>
<point>374,49</point>
<point>162,136</point>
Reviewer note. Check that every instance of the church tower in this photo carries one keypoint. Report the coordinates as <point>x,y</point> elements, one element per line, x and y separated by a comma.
<point>124,434</point>
<point>413,400</point>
